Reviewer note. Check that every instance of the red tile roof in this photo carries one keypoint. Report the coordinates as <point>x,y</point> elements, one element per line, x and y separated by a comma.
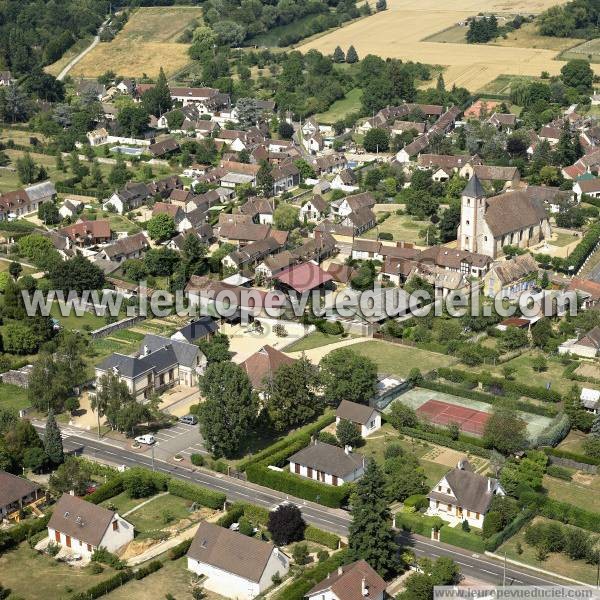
<point>304,277</point>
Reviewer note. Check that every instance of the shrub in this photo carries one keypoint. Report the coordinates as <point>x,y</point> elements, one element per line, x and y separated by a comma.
<point>246,527</point>
<point>150,568</point>
<point>231,516</point>
<point>21,532</point>
<point>318,536</point>
<point>322,555</point>
<point>102,555</point>
<point>197,460</point>
<point>582,458</point>
<point>96,568</point>
<point>106,491</point>
<point>196,493</point>
<point>418,501</point>
<point>559,472</point>
<point>300,554</point>
<point>458,537</point>
<point>180,550</point>
<point>142,483</point>
<point>104,587</point>
<point>386,235</point>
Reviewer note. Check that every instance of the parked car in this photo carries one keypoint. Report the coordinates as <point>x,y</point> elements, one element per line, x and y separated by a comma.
<point>189,420</point>
<point>147,439</point>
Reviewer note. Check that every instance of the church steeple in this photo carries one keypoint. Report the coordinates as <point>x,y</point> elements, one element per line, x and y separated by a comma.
<point>474,189</point>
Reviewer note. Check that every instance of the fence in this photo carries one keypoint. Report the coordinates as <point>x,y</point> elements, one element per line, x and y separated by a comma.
<point>573,464</point>
<point>116,326</point>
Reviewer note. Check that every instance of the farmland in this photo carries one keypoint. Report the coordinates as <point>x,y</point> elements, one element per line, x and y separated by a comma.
<point>589,50</point>
<point>400,32</point>
<point>341,108</point>
<point>147,42</point>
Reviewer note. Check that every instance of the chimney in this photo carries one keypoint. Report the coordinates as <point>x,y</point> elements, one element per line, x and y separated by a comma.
<point>347,449</point>
<point>364,588</point>
<point>340,570</point>
<point>146,350</point>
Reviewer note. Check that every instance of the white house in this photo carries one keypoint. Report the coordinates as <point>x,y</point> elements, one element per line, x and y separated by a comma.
<point>83,527</point>
<point>327,463</point>
<point>462,495</point>
<point>590,400</point>
<point>235,565</point>
<point>314,209</point>
<point>97,137</point>
<point>586,346</point>
<point>589,187</point>
<point>350,582</point>
<point>366,418</point>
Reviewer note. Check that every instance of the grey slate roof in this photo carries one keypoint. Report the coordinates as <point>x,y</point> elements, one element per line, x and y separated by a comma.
<point>354,412</point>
<point>41,190</point>
<point>329,459</point>
<point>185,354</point>
<point>13,488</point>
<point>199,328</point>
<point>474,189</point>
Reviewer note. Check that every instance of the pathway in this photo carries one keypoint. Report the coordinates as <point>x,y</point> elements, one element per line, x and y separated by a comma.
<point>77,58</point>
<point>316,354</point>
<point>144,503</point>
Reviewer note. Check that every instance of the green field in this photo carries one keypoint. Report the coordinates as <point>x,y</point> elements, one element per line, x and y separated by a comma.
<point>162,512</point>
<point>122,503</point>
<point>573,442</point>
<point>398,360</point>
<point>87,321</point>
<point>503,83</point>
<point>38,577</point>
<point>403,227</point>
<point>586,496</point>
<point>12,397</point>
<point>273,35</point>
<point>341,108</point>
<point>589,50</point>
<point>560,564</point>
<point>453,35</point>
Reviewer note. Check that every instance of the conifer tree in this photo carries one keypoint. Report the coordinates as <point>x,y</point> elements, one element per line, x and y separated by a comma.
<point>52,441</point>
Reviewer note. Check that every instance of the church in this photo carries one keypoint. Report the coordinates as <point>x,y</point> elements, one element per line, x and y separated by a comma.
<point>514,218</point>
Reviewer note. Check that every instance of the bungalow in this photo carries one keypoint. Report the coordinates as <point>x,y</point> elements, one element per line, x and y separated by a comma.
<point>243,233</point>
<point>503,122</point>
<point>161,363</point>
<point>234,565</point>
<point>97,137</point>
<point>444,166</point>
<point>550,134</point>
<point>349,204</point>
<point>355,581</point>
<point>83,527</point>
<point>589,187</point>
<point>462,495</point>
<point>586,346</point>
<point>16,493</point>
<point>251,254</point>
<point>130,197</point>
<point>273,265</point>
<point>263,364</point>
<point>314,209</point>
<point>366,418</point>
<point>327,464</point>
<point>132,246</point>
<point>590,400</point>
<point>236,140</point>
<point>70,208</point>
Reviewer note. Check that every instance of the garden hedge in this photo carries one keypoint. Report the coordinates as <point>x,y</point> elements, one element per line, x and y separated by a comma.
<point>444,440</point>
<point>582,458</point>
<point>314,534</point>
<point>106,586</point>
<point>180,550</point>
<point>536,392</point>
<point>107,490</point>
<point>196,493</point>
<point>463,539</point>
<point>12,537</point>
<point>555,432</point>
<point>150,568</point>
<point>496,540</point>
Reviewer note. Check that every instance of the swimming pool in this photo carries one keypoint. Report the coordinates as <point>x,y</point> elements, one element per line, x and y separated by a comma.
<point>127,150</point>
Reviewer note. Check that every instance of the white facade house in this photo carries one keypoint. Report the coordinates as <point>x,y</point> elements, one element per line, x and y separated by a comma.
<point>327,464</point>
<point>235,565</point>
<point>82,527</point>
<point>366,418</point>
<point>586,346</point>
<point>590,400</point>
<point>462,495</point>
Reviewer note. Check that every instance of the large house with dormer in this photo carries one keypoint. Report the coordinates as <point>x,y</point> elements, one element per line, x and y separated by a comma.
<point>463,495</point>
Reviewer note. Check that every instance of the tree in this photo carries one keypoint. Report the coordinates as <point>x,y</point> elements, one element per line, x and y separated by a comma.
<point>505,430</point>
<point>48,213</point>
<point>348,433</point>
<point>264,179</point>
<point>15,269</point>
<point>73,474</point>
<point>133,120</point>
<point>119,175</point>
<point>371,537</point>
<point>290,395</point>
<point>285,130</point>
<point>578,74</point>
<point>449,222</point>
<point>53,440</point>
<point>157,100</point>
<point>230,409</point>
<point>376,140</point>
<point>161,261</point>
<point>539,363</point>
<point>380,5</point>
<point>404,477</point>
<point>161,227</point>
<point>248,112</point>
<point>285,217</point>
<point>346,375</point>
<point>306,169</point>
<point>402,415</point>
<point>286,524</point>
<point>528,471</point>
<point>351,55</point>
<point>26,169</point>
<point>216,349</point>
<point>338,55</point>
<point>300,554</point>
<point>78,274</point>
<point>19,338</point>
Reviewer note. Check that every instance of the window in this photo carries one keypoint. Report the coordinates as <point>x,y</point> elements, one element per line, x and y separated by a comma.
<point>449,507</point>
<point>439,488</point>
<point>296,468</point>
<point>334,479</point>
<point>437,503</point>
<point>468,513</point>
<point>477,516</point>
<point>448,490</point>
<point>115,525</point>
<point>468,222</point>
<point>89,548</point>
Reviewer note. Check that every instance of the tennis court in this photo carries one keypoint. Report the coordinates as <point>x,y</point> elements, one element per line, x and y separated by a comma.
<point>443,413</point>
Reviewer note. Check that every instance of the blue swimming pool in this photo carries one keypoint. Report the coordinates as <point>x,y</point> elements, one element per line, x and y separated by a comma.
<point>127,150</point>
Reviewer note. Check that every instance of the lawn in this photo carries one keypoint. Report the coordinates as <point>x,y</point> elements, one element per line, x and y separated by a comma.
<point>573,442</point>
<point>525,374</point>
<point>527,36</point>
<point>78,47</point>
<point>563,239</point>
<point>146,43</point>
<point>13,397</point>
<point>403,227</point>
<point>87,321</point>
<point>173,578</point>
<point>316,339</point>
<point>38,577</point>
<point>351,102</point>
<point>555,563</point>
<point>502,83</point>
<point>589,50</point>
<point>122,503</point>
<point>583,491</point>
<point>162,512</point>
<point>5,264</point>
<point>398,360</point>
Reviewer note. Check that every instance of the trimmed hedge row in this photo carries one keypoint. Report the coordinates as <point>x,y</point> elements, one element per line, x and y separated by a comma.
<point>536,409</point>
<point>569,373</point>
<point>150,568</point>
<point>582,458</point>
<point>196,493</point>
<point>443,440</point>
<point>19,533</point>
<point>106,586</point>
<point>283,481</point>
<point>496,540</point>
<point>561,511</point>
<point>512,387</point>
<point>417,523</point>
<point>463,539</point>
<point>310,577</point>
<point>583,249</point>
<point>314,534</point>
<point>180,550</point>
<point>556,431</point>
<point>106,491</point>
<point>324,421</point>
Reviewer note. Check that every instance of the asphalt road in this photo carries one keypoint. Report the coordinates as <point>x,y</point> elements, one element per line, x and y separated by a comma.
<point>337,521</point>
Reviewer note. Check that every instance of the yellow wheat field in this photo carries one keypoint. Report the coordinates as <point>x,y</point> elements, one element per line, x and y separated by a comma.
<point>398,33</point>
<point>146,43</point>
